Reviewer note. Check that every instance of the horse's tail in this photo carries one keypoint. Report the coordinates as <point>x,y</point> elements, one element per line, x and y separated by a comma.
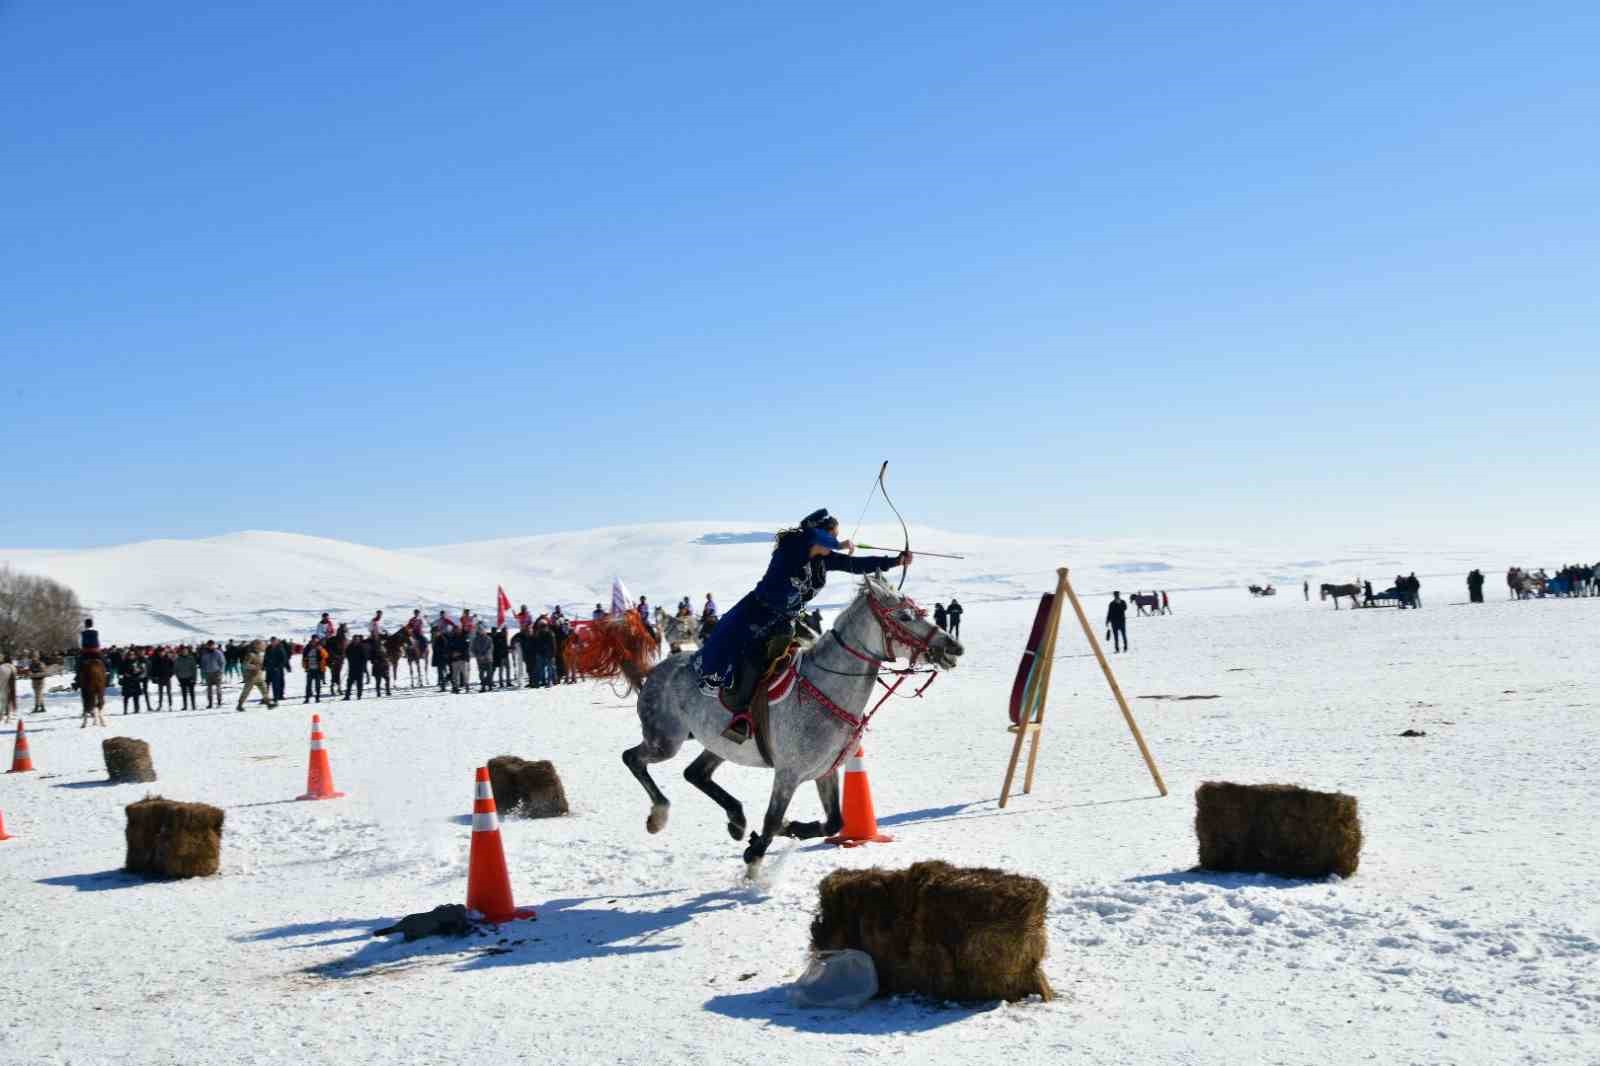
<point>614,647</point>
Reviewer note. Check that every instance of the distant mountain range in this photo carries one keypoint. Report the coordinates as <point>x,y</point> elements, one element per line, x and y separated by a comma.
<point>254,583</point>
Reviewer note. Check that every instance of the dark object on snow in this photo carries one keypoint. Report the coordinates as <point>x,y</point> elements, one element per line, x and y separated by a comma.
<point>529,789</point>
<point>127,760</point>
<point>1414,733</point>
<point>171,839</point>
<point>448,919</point>
<point>939,930</point>
<point>1277,829</point>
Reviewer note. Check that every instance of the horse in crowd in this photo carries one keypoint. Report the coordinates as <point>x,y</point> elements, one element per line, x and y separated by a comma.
<point>1336,591</point>
<point>1574,580</point>
<point>677,629</point>
<point>814,728</point>
<point>1146,603</point>
<point>92,683</point>
<point>402,643</point>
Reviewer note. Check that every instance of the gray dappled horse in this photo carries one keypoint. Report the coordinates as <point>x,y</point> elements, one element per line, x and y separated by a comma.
<point>813,729</point>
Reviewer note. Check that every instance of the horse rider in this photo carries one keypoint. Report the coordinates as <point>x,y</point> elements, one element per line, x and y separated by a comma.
<point>418,625</point>
<point>375,627</point>
<point>734,656</point>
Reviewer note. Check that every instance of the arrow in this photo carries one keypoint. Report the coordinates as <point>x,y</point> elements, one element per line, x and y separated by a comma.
<point>931,555</point>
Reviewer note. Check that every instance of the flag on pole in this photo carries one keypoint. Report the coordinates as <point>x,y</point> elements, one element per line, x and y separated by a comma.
<point>620,601</point>
<point>502,604</point>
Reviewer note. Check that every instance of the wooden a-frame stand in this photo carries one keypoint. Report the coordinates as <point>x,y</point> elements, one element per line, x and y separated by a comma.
<point>1038,690</point>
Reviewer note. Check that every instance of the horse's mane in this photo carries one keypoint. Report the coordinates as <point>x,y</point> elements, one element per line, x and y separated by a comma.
<point>618,646</point>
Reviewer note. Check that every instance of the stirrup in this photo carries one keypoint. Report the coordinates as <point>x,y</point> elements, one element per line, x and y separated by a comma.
<point>741,729</point>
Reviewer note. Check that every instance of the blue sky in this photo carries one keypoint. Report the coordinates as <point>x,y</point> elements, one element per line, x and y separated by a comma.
<point>407,274</point>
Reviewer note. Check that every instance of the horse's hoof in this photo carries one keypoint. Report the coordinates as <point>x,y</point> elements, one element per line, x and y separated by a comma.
<point>736,830</point>
<point>657,820</point>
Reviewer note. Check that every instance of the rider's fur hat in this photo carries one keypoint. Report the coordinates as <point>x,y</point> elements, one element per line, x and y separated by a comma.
<point>819,517</point>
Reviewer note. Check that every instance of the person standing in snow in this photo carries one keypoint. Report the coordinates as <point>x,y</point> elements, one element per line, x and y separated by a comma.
<point>483,654</point>
<point>1475,586</point>
<point>133,671</point>
<point>460,648</point>
<point>314,660</point>
<point>502,657</point>
<point>355,666</point>
<point>276,664</point>
<point>952,613</point>
<point>939,617</point>
<point>186,668</point>
<point>212,666</point>
<point>441,656</point>
<point>161,670</point>
<point>1117,622</point>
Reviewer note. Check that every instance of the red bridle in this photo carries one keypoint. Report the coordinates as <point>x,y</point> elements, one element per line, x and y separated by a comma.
<point>894,630</point>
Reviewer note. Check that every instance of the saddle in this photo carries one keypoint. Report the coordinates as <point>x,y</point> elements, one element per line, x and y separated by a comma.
<point>758,686</point>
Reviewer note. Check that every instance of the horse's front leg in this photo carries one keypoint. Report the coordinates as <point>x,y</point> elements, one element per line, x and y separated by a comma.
<point>828,794</point>
<point>783,786</point>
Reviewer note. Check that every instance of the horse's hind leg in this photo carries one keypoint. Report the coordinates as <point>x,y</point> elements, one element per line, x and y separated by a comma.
<point>698,774</point>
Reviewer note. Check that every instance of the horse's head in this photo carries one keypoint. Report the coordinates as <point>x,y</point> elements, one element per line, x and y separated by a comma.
<point>902,627</point>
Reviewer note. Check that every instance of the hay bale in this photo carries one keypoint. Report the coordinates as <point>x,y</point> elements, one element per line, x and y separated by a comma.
<point>1277,829</point>
<point>528,789</point>
<point>171,839</point>
<point>127,760</point>
<point>939,930</point>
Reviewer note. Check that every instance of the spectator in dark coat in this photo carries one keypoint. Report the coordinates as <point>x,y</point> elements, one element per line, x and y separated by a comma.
<point>460,647</point>
<point>186,668</point>
<point>441,656</point>
<point>530,655</point>
<point>952,615</point>
<point>1117,622</point>
<point>355,665</point>
<point>939,615</point>
<point>276,664</point>
<point>161,671</point>
<point>502,657</point>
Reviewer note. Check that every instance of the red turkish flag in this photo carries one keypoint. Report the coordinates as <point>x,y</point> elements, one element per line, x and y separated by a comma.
<point>502,604</point>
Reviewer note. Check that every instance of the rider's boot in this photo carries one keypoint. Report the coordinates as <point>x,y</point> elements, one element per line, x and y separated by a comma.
<point>741,728</point>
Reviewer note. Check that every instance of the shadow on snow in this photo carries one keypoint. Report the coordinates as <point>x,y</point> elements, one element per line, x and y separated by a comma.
<point>565,931</point>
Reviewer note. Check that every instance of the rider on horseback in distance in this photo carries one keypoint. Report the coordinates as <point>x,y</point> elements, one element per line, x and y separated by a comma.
<point>734,656</point>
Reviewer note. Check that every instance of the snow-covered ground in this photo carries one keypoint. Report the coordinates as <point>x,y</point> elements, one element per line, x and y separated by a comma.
<point>1471,933</point>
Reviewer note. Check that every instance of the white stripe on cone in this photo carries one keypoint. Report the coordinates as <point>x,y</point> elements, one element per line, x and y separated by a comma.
<point>857,763</point>
<point>483,792</point>
<point>485,822</point>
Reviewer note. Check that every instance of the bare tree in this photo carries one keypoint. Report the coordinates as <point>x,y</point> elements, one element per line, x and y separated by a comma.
<point>36,614</point>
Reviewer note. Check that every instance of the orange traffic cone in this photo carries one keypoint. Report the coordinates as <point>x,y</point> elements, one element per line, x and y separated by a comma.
<point>319,775</point>
<point>860,821</point>
<point>21,761</point>
<point>3,834</point>
<point>488,881</point>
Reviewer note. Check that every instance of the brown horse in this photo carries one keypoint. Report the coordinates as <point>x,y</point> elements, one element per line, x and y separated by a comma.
<point>394,648</point>
<point>92,690</point>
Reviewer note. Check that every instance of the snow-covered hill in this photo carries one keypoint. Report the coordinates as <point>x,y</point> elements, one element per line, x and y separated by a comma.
<point>253,583</point>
